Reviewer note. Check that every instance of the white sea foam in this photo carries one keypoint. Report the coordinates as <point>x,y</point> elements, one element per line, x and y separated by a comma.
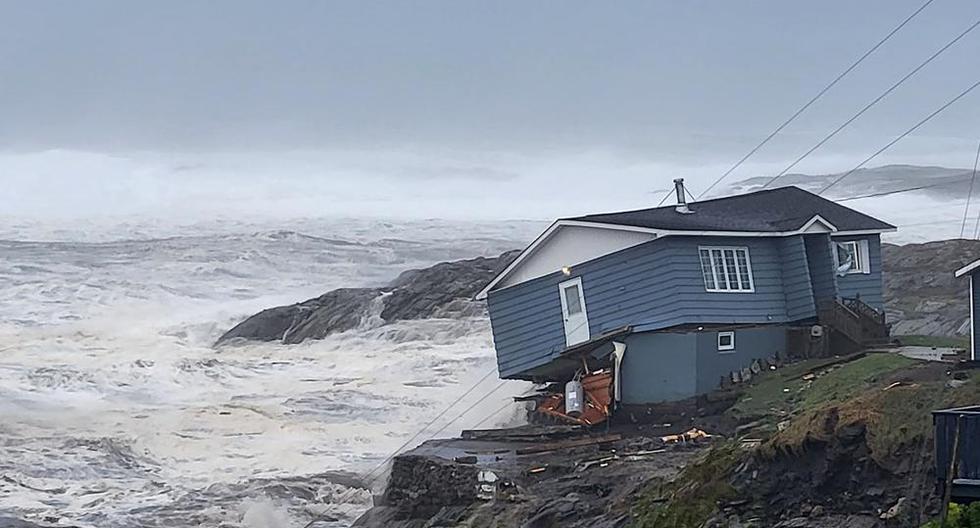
<point>116,411</point>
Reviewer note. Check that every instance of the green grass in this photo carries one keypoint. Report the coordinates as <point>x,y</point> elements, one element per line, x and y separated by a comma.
<point>776,395</point>
<point>935,341</point>
<point>960,516</point>
<point>896,421</point>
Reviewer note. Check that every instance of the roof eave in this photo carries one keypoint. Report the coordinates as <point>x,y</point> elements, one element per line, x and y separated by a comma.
<point>529,250</point>
<point>968,268</point>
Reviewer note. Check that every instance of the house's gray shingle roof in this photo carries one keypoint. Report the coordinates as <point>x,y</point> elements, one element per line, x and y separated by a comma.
<point>781,209</point>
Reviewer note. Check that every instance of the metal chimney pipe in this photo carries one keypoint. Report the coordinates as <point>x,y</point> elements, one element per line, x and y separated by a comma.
<point>681,206</point>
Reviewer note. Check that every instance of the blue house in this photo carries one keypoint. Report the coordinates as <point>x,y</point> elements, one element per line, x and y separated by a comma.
<point>972,270</point>
<point>674,299</point>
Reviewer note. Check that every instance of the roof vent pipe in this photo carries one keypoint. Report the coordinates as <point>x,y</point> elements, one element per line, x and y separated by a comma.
<point>681,206</point>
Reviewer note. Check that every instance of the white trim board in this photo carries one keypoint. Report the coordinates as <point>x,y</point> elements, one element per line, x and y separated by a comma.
<point>816,224</point>
<point>968,268</point>
<point>973,337</point>
<point>572,245</point>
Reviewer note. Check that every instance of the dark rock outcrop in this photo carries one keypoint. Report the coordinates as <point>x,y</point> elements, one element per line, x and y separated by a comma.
<point>444,290</point>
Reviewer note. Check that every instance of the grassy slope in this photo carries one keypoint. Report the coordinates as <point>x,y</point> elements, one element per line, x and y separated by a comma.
<point>935,341</point>
<point>779,395</point>
<point>859,391</point>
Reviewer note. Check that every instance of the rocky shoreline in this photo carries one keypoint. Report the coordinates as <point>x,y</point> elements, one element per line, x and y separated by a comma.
<point>443,290</point>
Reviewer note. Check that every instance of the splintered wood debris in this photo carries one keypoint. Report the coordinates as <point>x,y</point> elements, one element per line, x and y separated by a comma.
<point>693,435</point>
<point>581,442</point>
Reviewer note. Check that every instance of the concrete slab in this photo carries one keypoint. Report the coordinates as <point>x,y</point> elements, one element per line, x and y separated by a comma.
<point>924,353</point>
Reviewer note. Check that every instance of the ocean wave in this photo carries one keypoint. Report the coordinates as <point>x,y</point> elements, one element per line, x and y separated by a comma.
<point>117,412</point>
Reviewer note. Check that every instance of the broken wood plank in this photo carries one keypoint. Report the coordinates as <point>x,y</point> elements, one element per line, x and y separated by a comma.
<point>583,466</point>
<point>582,442</point>
<point>523,433</point>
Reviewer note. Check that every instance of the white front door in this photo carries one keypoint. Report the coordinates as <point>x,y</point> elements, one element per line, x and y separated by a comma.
<point>573,311</point>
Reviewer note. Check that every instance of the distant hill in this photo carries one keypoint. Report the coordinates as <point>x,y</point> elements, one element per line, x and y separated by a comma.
<point>941,182</point>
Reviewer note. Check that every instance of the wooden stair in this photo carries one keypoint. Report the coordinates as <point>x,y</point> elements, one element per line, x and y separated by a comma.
<point>854,320</point>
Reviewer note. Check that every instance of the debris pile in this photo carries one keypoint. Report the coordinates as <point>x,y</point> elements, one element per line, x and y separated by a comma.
<point>534,476</point>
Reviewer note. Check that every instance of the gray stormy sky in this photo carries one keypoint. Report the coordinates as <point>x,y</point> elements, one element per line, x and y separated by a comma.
<point>132,106</point>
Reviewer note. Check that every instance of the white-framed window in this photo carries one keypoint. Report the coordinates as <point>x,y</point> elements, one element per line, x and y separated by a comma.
<point>726,269</point>
<point>852,257</point>
<point>726,341</point>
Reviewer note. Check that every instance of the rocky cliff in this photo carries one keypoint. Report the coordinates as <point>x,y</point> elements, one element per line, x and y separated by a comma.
<point>444,290</point>
<point>921,294</point>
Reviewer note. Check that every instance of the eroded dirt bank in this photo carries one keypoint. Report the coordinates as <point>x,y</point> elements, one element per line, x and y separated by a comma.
<point>813,444</point>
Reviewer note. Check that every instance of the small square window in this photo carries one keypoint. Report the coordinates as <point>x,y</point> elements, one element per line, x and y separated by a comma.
<point>726,341</point>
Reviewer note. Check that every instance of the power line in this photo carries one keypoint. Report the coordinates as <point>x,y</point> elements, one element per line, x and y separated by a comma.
<point>969,195</point>
<point>897,191</point>
<point>432,421</point>
<point>875,101</point>
<point>815,97</point>
<point>370,481</point>
<point>976,227</point>
<point>899,138</point>
<point>470,408</point>
<point>491,415</point>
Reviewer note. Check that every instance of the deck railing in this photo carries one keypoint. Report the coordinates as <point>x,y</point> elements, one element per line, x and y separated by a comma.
<point>853,318</point>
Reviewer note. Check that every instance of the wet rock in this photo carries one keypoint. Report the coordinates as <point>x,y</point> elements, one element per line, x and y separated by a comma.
<point>444,290</point>
<point>874,491</point>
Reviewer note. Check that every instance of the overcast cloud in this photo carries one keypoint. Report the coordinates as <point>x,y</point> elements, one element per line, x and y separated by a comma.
<point>412,107</point>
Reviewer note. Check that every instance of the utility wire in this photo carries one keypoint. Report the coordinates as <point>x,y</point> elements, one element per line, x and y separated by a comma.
<point>976,227</point>
<point>370,481</point>
<point>432,421</point>
<point>815,97</point>
<point>899,138</point>
<point>875,101</point>
<point>470,408</point>
<point>898,191</point>
<point>969,195</point>
<point>491,415</point>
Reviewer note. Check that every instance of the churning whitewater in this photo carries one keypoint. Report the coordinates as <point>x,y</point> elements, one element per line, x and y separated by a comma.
<point>117,412</point>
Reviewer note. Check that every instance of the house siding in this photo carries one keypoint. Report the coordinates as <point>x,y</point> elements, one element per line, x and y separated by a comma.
<point>796,279</point>
<point>655,285</point>
<point>762,342</point>
<point>821,264</point>
<point>659,366</point>
<point>867,286</point>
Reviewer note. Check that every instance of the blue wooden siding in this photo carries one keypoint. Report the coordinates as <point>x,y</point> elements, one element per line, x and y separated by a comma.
<point>796,279</point>
<point>864,285</point>
<point>655,285</point>
<point>820,261</point>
